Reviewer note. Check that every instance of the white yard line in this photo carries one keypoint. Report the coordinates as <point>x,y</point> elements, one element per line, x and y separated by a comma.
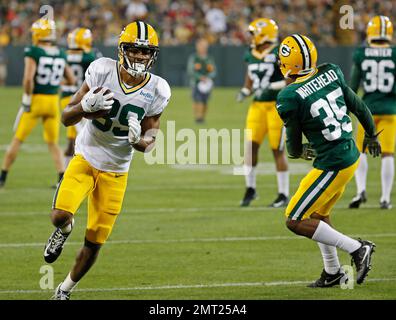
<point>186,286</point>
<point>192,240</point>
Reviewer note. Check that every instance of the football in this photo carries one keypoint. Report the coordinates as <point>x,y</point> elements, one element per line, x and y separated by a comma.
<point>100,113</point>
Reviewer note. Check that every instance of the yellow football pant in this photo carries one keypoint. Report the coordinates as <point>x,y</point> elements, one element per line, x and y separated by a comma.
<point>71,132</point>
<point>46,107</point>
<point>387,138</point>
<point>318,192</point>
<point>105,192</point>
<point>263,119</point>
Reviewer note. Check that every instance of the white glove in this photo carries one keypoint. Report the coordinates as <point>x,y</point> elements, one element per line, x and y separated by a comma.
<point>134,130</point>
<point>92,102</point>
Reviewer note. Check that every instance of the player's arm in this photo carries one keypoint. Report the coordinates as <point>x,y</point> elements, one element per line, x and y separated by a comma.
<point>85,102</point>
<point>28,82</point>
<point>149,128</point>
<point>246,89</point>
<point>70,79</point>
<point>356,75</point>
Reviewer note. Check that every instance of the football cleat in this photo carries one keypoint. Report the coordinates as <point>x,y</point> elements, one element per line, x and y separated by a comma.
<point>362,259</point>
<point>249,196</point>
<point>383,205</point>
<point>54,246</point>
<point>327,280</point>
<point>280,201</point>
<point>358,200</point>
<point>60,294</point>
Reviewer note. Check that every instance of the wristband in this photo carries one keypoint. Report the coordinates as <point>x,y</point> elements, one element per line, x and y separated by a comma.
<point>246,91</point>
<point>26,99</point>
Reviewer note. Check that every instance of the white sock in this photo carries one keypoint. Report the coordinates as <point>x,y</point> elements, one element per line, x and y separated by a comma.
<point>361,174</point>
<point>330,258</point>
<point>327,235</point>
<point>68,284</point>
<point>283,182</point>
<point>67,228</point>
<point>387,176</point>
<point>67,160</point>
<point>250,176</point>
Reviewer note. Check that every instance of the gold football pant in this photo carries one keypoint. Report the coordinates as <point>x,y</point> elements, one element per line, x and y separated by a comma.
<point>45,107</point>
<point>318,192</point>
<point>263,119</point>
<point>105,192</point>
<point>71,132</point>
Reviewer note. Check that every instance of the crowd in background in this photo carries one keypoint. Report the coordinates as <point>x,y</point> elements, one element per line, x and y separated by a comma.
<point>182,21</point>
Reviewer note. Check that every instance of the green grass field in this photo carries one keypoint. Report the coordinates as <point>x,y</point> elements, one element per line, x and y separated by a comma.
<point>181,233</point>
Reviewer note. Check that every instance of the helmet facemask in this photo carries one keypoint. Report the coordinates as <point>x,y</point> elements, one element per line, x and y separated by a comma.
<point>137,59</point>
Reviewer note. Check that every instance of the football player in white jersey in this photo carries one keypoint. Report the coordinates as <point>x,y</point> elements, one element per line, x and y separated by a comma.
<point>124,103</point>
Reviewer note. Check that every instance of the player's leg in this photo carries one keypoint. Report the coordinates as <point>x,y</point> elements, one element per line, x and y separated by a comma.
<point>257,129</point>
<point>71,134</point>
<point>104,205</point>
<point>387,123</point>
<point>361,172</point>
<point>74,187</point>
<point>277,137</point>
<point>25,125</point>
<point>51,124</point>
<point>317,193</point>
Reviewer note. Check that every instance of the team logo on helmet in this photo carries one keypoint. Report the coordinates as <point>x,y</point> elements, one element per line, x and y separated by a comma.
<point>285,50</point>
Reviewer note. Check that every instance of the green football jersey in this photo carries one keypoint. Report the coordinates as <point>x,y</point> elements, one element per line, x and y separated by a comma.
<point>318,108</point>
<point>51,63</point>
<point>79,63</point>
<point>198,67</point>
<point>376,68</point>
<point>262,72</point>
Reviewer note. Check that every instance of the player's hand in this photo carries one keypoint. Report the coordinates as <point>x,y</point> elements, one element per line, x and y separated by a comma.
<point>372,144</point>
<point>97,99</point>
<point>308,152</point>
<point>245,92</point>
<point>134,130</point>
<point>26,102</point>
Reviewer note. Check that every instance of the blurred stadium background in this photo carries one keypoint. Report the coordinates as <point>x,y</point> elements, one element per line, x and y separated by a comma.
<point>180,22</point>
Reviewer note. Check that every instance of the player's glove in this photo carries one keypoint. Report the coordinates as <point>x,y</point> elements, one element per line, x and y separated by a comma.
<point>308,153</point>
<point>26,102</point>
<point>372,144</point>
<point>134,130</point>
<point>245,92</point>
<point>97,99</point>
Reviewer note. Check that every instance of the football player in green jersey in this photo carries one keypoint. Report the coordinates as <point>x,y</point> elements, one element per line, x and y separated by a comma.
<point>45,67</point>
<point>316,104</point>
<point>263,81</point>
<point>375,66</point>
<point>79,57</point>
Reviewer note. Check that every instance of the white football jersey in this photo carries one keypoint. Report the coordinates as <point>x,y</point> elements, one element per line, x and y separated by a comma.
<point>104,142</point>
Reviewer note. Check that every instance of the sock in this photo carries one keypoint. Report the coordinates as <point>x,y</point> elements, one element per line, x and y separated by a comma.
<point>361,174</point>
<point>387,175</point>
<point>68,284</point>
<point>327,235</point>
<point>330,258</point>
<point>67,160</point>
<point>3,175</point>
<point>283,182</point>
<point>60,176</point>
<point>67,228</point>
<point>250,176</point>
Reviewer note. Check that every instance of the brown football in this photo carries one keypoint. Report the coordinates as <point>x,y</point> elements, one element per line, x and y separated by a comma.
<point>100,113</point>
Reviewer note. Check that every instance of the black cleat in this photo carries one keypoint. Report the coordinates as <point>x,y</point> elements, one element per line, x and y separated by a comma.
<point>362,259</point>
<point>54,246</point>
<point>249,196</point>
<point>60,294</point>
<point>280,201</point>
<point>358,200</point>
<point>327,280</point>
<point>385,205</point>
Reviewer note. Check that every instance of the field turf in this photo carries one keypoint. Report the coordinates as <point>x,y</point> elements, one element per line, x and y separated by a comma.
<point>181,233</point>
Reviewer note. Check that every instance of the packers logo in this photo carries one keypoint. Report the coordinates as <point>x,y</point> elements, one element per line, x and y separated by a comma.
<point>285,50</point>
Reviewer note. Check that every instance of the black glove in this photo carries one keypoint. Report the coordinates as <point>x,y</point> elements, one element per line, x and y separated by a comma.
<point>308,152</point>
<point>372,144</point>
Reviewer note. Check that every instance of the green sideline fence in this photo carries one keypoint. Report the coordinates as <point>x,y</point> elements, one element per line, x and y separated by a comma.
<point>172,62</point>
